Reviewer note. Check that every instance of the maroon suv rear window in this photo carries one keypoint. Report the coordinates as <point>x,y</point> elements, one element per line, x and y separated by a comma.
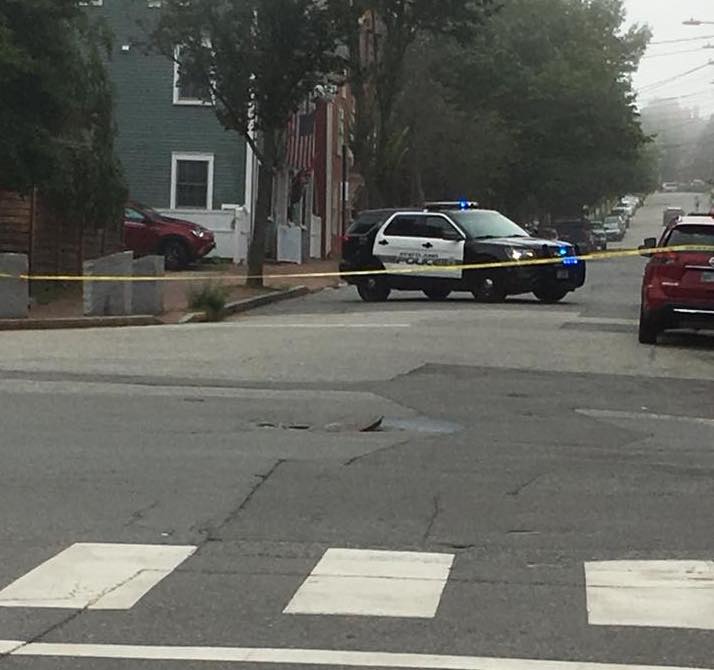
<point>692,235</point>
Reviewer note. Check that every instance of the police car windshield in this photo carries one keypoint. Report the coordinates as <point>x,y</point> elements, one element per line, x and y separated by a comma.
<point>484,224</point>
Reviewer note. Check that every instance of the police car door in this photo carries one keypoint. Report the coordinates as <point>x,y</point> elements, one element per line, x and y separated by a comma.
<point>398,244</point>
<point>445,246</point>
<point>420,245</point>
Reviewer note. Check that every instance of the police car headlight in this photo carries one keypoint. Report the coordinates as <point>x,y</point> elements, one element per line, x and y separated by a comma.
<point>521,254</point>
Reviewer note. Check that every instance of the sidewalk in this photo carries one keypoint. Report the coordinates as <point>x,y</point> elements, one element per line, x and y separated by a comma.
<point>53,301</point>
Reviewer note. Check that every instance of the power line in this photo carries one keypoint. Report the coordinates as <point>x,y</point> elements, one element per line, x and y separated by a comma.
<point>664,82</point>
<point>676,53</point>
<point>694,94</point>
<point>684,39</point>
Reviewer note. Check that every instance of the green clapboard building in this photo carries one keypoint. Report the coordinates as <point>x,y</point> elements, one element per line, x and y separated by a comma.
<point>174,152</point>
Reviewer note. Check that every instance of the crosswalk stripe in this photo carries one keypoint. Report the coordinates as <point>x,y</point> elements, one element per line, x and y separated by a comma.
<point>374,583</point>
<point>8,646</point>
<point>95,576</point>
<point>315,657</point>
<point>653,594</point>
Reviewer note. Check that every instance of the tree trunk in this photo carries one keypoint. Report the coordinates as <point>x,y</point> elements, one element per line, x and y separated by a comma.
<point>263,211</point>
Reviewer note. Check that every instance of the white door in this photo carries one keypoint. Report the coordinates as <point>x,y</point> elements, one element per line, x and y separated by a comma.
<point>398,243</point>
<point>447,246</point>
<point>315,236</point>
<point>414,245</point>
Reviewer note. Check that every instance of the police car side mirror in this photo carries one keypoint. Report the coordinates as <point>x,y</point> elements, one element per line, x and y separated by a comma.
<point>451,236</point>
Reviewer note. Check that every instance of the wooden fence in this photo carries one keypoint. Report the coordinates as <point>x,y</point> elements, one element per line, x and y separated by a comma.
<point>27,226</point>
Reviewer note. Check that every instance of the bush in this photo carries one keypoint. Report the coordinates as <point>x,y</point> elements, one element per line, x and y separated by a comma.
<point>210,298</point>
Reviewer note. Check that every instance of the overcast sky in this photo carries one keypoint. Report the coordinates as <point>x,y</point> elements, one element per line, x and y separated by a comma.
<point>663,62</point>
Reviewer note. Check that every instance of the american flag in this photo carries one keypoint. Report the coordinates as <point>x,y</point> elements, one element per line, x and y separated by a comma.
<point>301,141</point>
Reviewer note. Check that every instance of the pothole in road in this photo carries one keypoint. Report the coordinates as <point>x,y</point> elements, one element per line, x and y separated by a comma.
<point>419,424</point>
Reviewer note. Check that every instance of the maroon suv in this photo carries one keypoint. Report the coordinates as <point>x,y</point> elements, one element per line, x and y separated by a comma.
<point>678,286</point>
<point>179,242</point>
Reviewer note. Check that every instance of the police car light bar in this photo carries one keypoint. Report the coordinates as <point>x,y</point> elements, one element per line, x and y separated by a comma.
<point>456,204</point>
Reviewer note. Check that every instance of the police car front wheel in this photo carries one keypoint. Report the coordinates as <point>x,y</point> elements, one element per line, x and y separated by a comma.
<point>374,289</point>
<point>489,287</point>
<point>550,294</point>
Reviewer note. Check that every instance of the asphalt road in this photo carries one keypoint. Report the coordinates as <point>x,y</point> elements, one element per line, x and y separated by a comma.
<point>540,489</point>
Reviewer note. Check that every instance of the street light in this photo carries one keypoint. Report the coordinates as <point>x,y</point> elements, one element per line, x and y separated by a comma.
<point>697,22</point>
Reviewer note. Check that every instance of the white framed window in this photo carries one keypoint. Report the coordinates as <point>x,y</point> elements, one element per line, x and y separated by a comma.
<point>192,180</point>
<point>91,3</point>
<point>154,4</point>
<point>185,94</point>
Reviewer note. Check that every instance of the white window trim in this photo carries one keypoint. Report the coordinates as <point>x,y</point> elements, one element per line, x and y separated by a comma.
<point>179,101</point>
<point>192,156</point>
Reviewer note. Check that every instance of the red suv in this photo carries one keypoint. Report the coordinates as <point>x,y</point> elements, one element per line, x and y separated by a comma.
<point>678,287</point>
<point>179,242</point>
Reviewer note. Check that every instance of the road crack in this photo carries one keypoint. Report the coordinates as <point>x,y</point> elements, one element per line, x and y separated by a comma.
<point>141,513</point>
<point>514,493</point>
<point>436,511</point>
<point>211,532</point>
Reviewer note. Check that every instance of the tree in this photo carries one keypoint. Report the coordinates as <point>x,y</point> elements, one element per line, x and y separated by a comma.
<point>56,110</point>
<point>558,73</point>
<point>256,61</point>
<point>377,35</point>
<point>535,114</point>
<point>452,152</point>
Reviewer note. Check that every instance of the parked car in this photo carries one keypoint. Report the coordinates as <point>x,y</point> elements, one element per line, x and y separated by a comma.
<point>614,228</point>
<point>419,247</point>
<point>625,211</point>
<point>633,201</point>
<point>600,235</point>
<point>577,231</point>
<point>678,286</point>
<point>670,187</point>
<point>179,242</point>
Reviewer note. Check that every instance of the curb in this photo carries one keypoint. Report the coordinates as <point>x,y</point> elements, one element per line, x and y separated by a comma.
<point>248,304</point>
<point>237,307</point>
<point>79,322</point>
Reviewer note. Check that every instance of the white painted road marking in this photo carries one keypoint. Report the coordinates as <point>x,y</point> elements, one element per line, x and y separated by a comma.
<point>95,576</point>
<point>8,646</point>
<point>318,657</point>
<point>374,583</point>
<point>663,594</point>
<point>644,416</point>
<point>318,326</point>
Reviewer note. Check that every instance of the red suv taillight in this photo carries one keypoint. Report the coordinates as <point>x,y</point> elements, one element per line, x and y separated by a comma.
<point>667,268</point>
<point>668,258</point>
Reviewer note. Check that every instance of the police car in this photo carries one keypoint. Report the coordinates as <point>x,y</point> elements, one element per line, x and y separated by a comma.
<point>415,250</point>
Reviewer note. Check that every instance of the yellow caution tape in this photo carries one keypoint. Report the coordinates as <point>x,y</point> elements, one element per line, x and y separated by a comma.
<point>417,269</point>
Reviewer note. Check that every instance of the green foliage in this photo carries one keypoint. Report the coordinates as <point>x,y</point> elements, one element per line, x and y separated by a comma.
<point>376,36</point>
<point>257,61</point>
<point>210,298</point>
<point>56,110</point>
<point>536,113</point>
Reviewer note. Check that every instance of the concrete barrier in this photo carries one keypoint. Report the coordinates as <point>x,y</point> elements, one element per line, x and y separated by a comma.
<point>14,293</point>
<point>147,297</point>
<point>108,298</point>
